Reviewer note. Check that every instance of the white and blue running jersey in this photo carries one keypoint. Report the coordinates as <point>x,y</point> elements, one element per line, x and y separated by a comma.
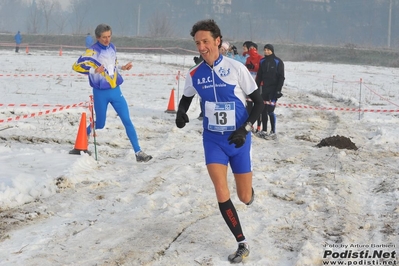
<point>223,90</point>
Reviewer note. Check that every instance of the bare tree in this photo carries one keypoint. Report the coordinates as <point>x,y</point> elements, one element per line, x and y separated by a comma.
<point>33,19</point>
<point>60,19</point>
<point>79,9</point>
<point>159,25</point>
<point>47,7</point>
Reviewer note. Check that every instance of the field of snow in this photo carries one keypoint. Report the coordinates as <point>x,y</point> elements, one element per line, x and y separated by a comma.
<point>312,204</point>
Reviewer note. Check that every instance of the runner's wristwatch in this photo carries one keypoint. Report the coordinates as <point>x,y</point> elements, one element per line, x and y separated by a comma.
<point>248,126</point>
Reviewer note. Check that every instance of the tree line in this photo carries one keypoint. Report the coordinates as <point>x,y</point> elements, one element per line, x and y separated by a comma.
<point>366,23</point>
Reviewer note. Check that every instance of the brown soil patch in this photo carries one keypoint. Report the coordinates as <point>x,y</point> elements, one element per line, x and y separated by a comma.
<point>337,141</point>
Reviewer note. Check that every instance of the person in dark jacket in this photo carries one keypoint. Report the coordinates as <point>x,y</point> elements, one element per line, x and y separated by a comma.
<point>271,76</point>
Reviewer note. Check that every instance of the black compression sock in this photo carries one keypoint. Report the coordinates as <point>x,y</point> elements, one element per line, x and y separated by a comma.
<point>230,216</point>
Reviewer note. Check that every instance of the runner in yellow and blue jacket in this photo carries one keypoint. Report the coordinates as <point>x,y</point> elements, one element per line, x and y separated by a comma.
<point>100,64</point>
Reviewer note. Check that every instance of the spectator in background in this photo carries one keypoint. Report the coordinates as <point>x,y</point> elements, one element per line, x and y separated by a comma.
<point>198,59</point>
<point>224,48</point>
<point>89,40</point>
<point>253,59</point>
<point>18,40</point>
<point>233,53</point>
<point>252,63</point>
<point>243,58</point>
<point>271,76</point>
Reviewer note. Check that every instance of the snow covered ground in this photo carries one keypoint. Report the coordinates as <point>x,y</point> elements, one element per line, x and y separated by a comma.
<point>313,205</point>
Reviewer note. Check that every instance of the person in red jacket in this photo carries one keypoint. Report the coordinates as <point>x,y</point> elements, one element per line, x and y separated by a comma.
<point>253,60</point>
<point>252,63</point>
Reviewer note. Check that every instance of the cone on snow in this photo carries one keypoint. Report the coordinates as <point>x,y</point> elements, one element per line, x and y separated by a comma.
<point>27,49</point>
<point>171,106</point>
<point>60,53</point>
<point>82,142</point>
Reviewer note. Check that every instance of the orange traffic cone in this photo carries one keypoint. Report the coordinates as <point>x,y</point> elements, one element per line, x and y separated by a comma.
<point>82,142</point>
<point>171,106</point>
<point>27,49</point>
<point>60,51</point>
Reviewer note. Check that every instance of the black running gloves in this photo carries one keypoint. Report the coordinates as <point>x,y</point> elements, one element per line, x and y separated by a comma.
<point>181,116</point>
<point>250,66</point>
<point>238,137</point>
<point>181,119</point>
<point>234,49</point>
<point>198,59</point>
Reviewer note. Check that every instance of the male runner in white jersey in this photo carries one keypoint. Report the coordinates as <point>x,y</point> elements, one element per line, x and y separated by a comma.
<point>223,84</point>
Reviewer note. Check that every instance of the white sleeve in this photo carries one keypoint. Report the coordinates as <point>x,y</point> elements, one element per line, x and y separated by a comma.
<point>246,81</point>
<point>189,89</point>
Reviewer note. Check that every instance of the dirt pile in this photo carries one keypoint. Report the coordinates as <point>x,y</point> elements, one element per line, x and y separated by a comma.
<point>337,141</point>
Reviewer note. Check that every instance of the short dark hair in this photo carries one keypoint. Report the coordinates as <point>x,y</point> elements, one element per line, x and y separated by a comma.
<point>207,25</point>
<point>102,28</point>
<point>254,45</point>
<point>247,44</point>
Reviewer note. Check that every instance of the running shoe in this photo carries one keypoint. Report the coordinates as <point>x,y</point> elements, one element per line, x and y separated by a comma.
<point>262,134</point>
<point>271,136</point>
<point>242,252</point>
<point>142,157</point>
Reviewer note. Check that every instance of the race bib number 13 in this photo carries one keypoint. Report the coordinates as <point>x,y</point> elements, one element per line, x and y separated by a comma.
<point>221,116</point>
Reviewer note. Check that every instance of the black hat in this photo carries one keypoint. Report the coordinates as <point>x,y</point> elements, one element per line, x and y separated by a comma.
<point>269,46</point>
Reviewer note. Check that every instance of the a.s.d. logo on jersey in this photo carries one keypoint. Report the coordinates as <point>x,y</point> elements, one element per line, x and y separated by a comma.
<point>223,72</point>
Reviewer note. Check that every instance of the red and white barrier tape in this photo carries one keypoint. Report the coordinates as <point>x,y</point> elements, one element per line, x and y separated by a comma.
<point>381,97</point>
<point>338,108</point>
<point>41,75</point>
<point>45,112</point>
<point>79,75</point>
<point>85,104</point>
<point>29,105</point>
